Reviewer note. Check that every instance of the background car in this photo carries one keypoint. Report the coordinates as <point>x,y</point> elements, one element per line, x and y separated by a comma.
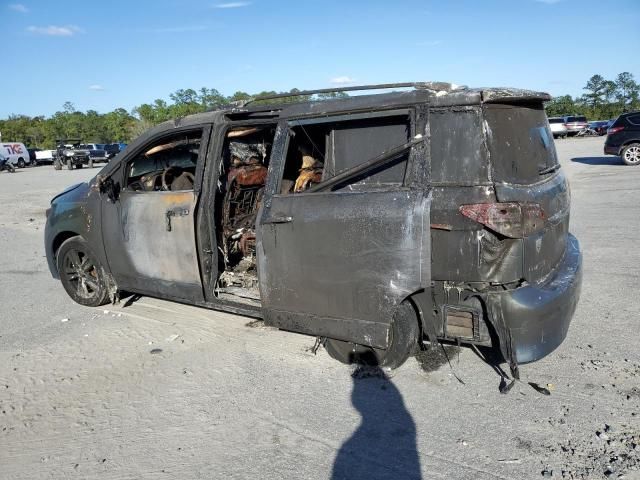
<point>16,153</point>
<point>600,126</point>
<point>113,149</point>
<point>97,153</point>
<point>575,123</point>
<point>558,128</point>
<point>70,153</point>
<point>32,155</point>
<point>623,138</point>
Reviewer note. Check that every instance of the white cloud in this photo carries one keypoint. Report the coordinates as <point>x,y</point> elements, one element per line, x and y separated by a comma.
<point>429,43</point>
<point>18,7</point>
<point>343,80</point>
<point>96,88</point>
<point>178,29</point>
<point>232,5</point>
<point>56,31</point>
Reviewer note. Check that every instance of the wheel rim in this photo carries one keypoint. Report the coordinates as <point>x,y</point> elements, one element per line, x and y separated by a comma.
<point>632,155</point>
<point>81,273</point>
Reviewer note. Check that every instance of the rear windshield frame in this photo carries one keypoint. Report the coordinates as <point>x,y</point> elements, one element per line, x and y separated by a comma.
<point>521,146</point>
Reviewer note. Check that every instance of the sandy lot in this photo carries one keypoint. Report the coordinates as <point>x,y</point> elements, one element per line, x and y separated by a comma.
<point>82,396</point>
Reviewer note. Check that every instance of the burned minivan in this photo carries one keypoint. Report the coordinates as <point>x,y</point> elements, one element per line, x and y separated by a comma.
<point>374,222</point>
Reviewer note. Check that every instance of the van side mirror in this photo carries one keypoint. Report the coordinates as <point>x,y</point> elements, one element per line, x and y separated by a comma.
<point>106,185</point>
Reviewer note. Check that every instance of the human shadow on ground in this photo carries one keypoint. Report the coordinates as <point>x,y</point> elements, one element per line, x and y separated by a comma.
<point>609,160</point>
<point>384,444</point>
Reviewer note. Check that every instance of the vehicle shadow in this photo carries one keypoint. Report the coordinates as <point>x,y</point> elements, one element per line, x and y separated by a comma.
<point>608,160</point>
<point>384,444</point>
<point>129,299</point>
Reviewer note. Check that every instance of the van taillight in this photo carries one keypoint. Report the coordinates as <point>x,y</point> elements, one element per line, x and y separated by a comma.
<point>511,219</point>
<point>614,130</point>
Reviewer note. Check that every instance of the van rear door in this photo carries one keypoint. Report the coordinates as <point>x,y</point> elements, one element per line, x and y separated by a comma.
<point>525,170</point>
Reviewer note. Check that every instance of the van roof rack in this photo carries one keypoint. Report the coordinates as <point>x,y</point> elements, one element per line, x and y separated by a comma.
<point>432,86</point>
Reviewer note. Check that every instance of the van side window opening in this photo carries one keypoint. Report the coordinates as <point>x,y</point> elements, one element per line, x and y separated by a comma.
<point>241,183</point>
<point>167,165</point>
<point>318,152</point>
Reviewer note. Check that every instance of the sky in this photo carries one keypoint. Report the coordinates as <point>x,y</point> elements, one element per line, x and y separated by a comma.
<point>104,55</point>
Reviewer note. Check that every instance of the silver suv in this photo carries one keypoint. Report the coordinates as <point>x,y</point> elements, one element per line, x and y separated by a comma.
<point>558,128</point>
<point>575,123</point>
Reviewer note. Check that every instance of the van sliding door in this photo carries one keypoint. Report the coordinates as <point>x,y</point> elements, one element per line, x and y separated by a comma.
<point>336,259</point>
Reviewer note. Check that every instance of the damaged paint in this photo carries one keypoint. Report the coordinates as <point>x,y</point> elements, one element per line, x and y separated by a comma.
<point>324,217</point>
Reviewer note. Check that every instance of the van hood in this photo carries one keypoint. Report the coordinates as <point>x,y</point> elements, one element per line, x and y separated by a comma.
<point>72,193</point>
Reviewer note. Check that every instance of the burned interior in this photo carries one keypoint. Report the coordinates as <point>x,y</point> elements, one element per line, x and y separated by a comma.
<point>240,191</point>
<point>169,165</point>
<point>316,151</point>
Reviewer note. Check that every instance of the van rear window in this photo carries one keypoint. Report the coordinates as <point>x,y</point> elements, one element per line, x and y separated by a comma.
<point>576,119</point>
<point>556,120</point>
<point>520,143</point>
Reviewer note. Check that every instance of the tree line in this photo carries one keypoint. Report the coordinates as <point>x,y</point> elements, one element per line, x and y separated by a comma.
<point>603,99</point>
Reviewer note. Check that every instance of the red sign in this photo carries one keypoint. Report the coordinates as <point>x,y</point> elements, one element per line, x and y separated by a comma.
<point>13,149</point>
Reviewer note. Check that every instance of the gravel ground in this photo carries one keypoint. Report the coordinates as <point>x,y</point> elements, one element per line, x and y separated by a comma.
<point>161,390</point>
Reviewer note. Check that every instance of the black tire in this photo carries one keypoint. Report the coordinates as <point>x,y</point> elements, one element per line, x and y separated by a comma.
<point>405,333</point>
<point>21,163</point>
<point>79,165</point>
<point>91,163</point>
<point>57,164</point>
<point>631,154</point>
<point>81,274</point>
<point>69,164</point>
<point>11,168</point>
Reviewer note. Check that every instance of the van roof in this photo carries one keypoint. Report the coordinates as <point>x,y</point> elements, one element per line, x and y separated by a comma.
<point>462,96</point>
<point>456,96</point>
<point>444,97</point>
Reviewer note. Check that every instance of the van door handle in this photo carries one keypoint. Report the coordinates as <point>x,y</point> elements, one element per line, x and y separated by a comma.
<point>280,219</point>
<point>178,212</point>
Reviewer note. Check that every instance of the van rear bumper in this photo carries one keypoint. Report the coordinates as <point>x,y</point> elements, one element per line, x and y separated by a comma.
<point>538,315</point>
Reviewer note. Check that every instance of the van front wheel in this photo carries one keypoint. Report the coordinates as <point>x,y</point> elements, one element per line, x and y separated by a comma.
<point>403,342</point>
<point>81,274</point>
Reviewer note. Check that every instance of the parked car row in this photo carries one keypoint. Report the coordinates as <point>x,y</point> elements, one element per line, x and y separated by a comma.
<point>568,125</point>
<point>68,152</point>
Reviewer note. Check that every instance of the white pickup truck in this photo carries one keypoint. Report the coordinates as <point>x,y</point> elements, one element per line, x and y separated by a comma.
<point>45,156</point>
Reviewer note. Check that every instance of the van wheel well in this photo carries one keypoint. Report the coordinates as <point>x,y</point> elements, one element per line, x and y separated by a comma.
<point>60,239</point>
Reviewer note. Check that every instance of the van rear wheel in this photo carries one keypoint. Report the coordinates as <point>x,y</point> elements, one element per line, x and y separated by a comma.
<point>21,163</point>
<point>403,342</point>
<point>631,154</point>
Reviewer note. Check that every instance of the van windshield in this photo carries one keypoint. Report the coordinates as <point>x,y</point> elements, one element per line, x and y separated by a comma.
<point>521,145</point>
